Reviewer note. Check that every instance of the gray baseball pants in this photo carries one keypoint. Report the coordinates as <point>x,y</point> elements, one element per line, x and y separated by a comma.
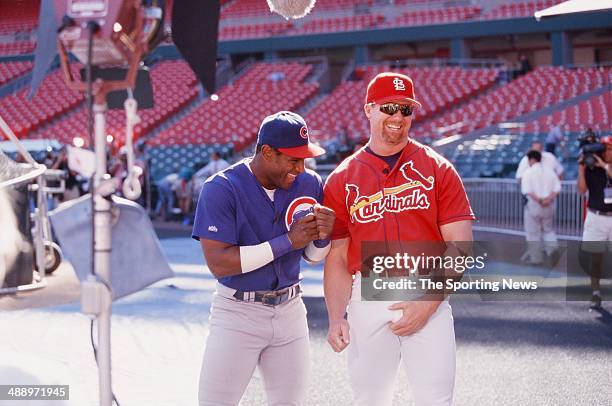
<point>245,335</point>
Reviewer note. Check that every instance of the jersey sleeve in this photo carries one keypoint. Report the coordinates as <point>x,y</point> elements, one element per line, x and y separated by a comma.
<point>334,197</point>
<point>453,203</point>
<point>215,217</point>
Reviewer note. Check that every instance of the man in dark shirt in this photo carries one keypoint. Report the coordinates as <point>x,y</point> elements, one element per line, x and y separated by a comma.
<point>597,235</point>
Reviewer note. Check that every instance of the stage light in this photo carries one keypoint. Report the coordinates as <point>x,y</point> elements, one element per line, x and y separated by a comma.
<point>109,138</point>
<point>214,97</point>
<point>122,28</point>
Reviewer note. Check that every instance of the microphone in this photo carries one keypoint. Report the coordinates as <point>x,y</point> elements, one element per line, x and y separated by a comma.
<point>291,8</point>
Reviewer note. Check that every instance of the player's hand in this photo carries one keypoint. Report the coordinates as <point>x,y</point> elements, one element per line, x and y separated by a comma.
<point>325,220</point>
<point>303,231</point>
<point>415,316</point>
<point>338,335</point>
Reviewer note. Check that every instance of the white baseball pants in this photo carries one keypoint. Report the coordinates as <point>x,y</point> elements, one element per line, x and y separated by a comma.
<point>375,353</point>
<point>245,335</point>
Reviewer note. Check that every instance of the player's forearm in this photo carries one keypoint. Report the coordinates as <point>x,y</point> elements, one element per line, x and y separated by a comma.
<point>337,284</point>
<point>224,262</point>
<point>229,260</point>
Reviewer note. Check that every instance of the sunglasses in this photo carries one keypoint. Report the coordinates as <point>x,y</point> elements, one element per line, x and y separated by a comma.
<point>392,108</point>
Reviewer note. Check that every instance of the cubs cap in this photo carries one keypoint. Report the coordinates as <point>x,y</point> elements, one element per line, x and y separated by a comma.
<point>287,132</point>
<point>391,87</point>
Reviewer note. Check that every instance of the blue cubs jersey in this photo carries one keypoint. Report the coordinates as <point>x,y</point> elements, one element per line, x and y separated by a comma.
<point>234,208</point>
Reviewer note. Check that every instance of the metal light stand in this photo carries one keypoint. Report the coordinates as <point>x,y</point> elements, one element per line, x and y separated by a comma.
<point>96,294</point>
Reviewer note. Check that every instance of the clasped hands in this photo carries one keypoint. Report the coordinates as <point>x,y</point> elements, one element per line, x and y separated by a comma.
<point>314,226</point>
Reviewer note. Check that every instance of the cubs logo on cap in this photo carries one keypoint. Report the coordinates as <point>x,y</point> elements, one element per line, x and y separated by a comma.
<point>391,87</point>
<point>287,132</point>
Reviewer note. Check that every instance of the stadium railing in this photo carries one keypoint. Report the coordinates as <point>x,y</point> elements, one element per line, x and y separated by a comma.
<point>498,204</point>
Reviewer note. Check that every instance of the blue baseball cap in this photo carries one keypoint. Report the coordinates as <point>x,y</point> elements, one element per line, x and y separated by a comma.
<point>287,132</point>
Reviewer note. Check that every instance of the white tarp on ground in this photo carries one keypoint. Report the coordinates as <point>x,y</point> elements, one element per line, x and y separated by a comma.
<point>574,6</point>
<point>158,338</point>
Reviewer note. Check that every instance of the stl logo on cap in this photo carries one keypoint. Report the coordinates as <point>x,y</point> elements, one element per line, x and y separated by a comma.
<point>304,132</point>
<point>399,84</point>
<point>391,87</point>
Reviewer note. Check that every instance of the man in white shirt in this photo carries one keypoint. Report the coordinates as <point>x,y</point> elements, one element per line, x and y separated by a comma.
<point>541,186</point>
<point>548,160</point>
<point>215,165</point>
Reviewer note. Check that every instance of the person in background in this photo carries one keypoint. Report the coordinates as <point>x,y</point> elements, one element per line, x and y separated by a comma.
<point>165,195</point>
<point>215,165</point>
<point>184,193</point>
<point>554,138</point>
<point>548,160</point>
<point>597,235</point>
<point>541,186</point>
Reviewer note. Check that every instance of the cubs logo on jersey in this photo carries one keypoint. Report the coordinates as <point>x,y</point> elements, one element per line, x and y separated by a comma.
<point>406,196</point>
<point>298,208</point>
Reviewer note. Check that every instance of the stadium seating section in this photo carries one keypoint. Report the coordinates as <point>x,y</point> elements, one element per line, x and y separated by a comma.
<point>12,70</point>
<point>183,128</point>
<point>545,86</point>
<point>347,23</point>
<point>242,19</point>
<point>237,9</point>
<point>594,112</point>
<point>497,155</point>
<point>174,86</point>
<point>518,9</point>
<point>437,88</point>
<point>434,16</point>
<point>18,15</point>
<point>172,158</point>
<point>51,101</point>
<point>234,32</point>
<point>16,48</point>
<point>263,89</point>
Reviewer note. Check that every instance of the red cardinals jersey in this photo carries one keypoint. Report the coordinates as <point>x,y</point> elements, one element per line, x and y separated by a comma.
<point>408,202</point>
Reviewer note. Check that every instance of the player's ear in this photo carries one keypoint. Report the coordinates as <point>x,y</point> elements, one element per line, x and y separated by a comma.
<point>367,108</point>
<point>267,152</point>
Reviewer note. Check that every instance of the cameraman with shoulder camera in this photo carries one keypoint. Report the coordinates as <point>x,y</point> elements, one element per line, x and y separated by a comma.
<point>595,177</point>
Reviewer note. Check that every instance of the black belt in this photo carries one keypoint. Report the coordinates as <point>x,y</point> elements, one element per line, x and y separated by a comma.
<point>270,298</point>
<point>601,213</point>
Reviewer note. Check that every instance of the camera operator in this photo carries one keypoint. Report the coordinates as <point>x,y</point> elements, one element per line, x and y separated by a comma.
<point>595,177</point>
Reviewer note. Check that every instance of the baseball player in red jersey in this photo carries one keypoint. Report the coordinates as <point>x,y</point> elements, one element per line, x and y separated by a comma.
<point>393,189</point>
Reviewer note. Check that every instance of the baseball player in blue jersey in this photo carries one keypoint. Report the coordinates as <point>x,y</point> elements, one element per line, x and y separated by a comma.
<point>255,221</point>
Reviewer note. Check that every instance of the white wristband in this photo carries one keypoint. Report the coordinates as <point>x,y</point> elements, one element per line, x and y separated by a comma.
<point>253,257</point>
<point>313,254</point>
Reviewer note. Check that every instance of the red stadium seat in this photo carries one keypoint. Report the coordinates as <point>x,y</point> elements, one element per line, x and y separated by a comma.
<point>264,89</point>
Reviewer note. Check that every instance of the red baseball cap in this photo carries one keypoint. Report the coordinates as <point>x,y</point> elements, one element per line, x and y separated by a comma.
<point>606,140</point>
<point>391,87</point>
